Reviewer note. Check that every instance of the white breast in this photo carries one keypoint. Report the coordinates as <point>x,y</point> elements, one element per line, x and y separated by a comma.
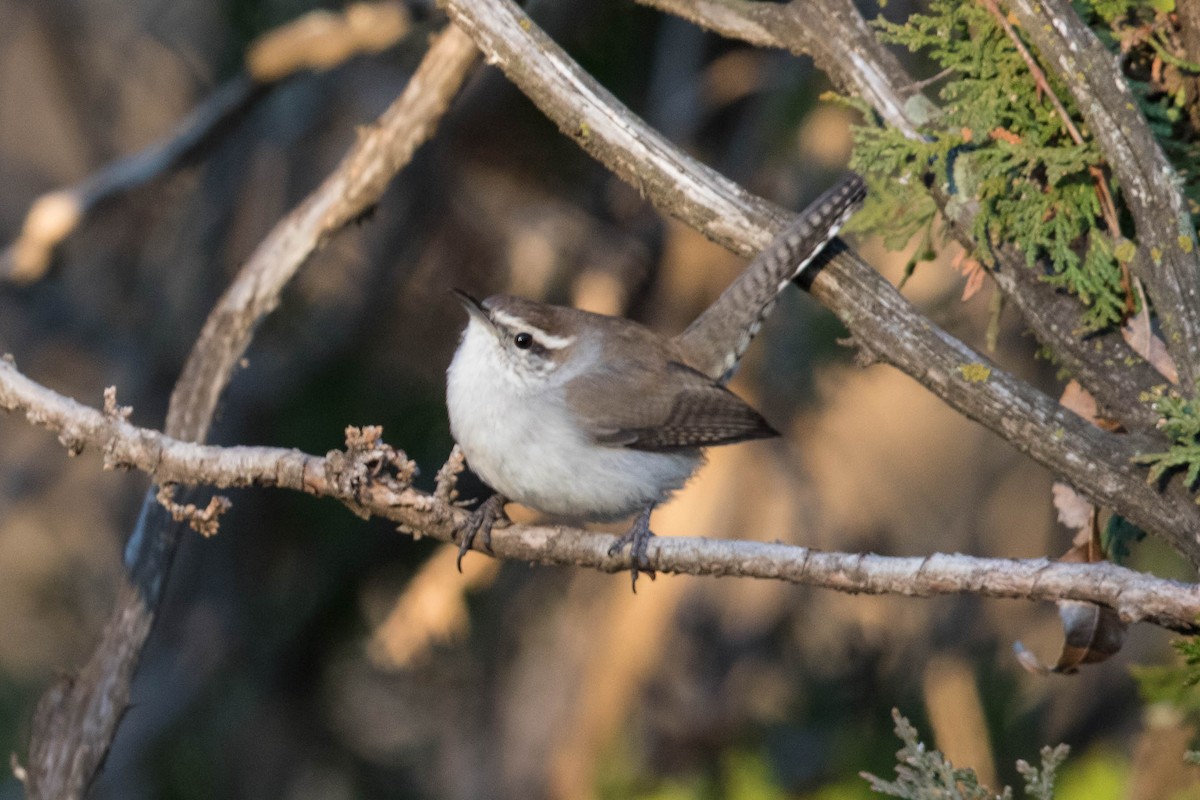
<point>519,438</point>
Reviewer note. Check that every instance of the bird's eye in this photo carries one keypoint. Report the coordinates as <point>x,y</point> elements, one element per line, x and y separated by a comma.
<point>523,340</point>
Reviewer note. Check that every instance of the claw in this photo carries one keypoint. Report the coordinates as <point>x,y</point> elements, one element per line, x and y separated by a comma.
<point>482,519</point>
<point>638,538</point>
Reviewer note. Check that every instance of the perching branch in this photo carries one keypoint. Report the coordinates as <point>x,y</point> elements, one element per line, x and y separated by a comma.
<point>884,323</point>
<point>372,478</point>
<point>124,445</point>
<point>77,718</point>
<point>317,40</point>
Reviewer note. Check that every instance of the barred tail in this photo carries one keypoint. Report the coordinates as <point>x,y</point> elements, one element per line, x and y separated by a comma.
<point>715,342</point>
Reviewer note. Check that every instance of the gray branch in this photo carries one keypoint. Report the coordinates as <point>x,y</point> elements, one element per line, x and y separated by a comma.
<point>355,478</point>
<point>860,64</point>
<point>837,37</point>
<point>76,719</point>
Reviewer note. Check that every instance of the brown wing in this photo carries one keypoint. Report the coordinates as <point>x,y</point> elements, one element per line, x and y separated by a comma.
<point>673,408</point>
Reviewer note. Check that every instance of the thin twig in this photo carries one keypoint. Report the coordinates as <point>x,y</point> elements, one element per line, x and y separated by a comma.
<point>315,41</point>
<point>56,214</point>
<point>369,476</point>
<point>1035,69</point>
<point>932,79</point>
<point>1155,40</point>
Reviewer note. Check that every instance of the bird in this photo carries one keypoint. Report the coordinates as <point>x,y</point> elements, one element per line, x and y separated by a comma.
<point>587,417</point>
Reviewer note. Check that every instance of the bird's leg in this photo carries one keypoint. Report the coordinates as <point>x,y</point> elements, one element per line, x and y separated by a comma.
<point>638,538</point>
<point>482,519</point>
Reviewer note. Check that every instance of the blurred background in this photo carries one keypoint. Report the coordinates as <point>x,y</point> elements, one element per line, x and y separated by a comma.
<point>305,653</point>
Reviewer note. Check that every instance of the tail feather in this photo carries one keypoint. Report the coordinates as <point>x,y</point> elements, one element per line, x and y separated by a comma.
<point>715,342</point>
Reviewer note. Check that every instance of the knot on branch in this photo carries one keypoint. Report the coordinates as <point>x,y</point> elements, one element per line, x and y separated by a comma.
<point>447,476</point>
<point>204,521</point>
<point>74,444</point>
<point>112,410</point>
<point>116,415</point>
<point>864,355</point>
<point>368,461</point>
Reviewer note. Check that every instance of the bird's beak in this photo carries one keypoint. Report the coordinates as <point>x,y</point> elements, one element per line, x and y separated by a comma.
<point>473,306</point>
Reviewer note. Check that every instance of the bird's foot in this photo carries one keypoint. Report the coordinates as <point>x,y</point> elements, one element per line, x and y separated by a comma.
<point>638,538</point>
<point>482,519</point>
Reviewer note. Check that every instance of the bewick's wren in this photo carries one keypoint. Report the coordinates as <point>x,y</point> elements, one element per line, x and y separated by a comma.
<point>589,417</point>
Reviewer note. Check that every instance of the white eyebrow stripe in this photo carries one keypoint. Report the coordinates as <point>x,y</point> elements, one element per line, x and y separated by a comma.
<point>546,340</point>
<point>551,342</point>
<point>508,320</point>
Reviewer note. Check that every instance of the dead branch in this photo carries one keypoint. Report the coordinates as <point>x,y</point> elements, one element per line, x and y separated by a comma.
<point>76,718</point>
<point>56,214</point>
<point>204,521</point>
<point>371,477</point>
<point>314,41</point>
<point>321,40</point>
<point>834,33</point>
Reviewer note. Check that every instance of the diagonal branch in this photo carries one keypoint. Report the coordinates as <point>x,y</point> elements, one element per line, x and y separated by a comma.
<point>77,718</point>
<point>836,28</point>
<point>676,183</point>
<point>1054,318</point>
<point>834,33</point>
<point>357,183</point>
<point>53,216</point>
<point>1097,463</point>
<point>883,322</point>
<point>370,477</point>
<point>314,41</point>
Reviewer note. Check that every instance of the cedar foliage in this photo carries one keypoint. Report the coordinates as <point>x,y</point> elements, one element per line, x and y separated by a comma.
<point>923,774</point>
<point>999,144</point>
